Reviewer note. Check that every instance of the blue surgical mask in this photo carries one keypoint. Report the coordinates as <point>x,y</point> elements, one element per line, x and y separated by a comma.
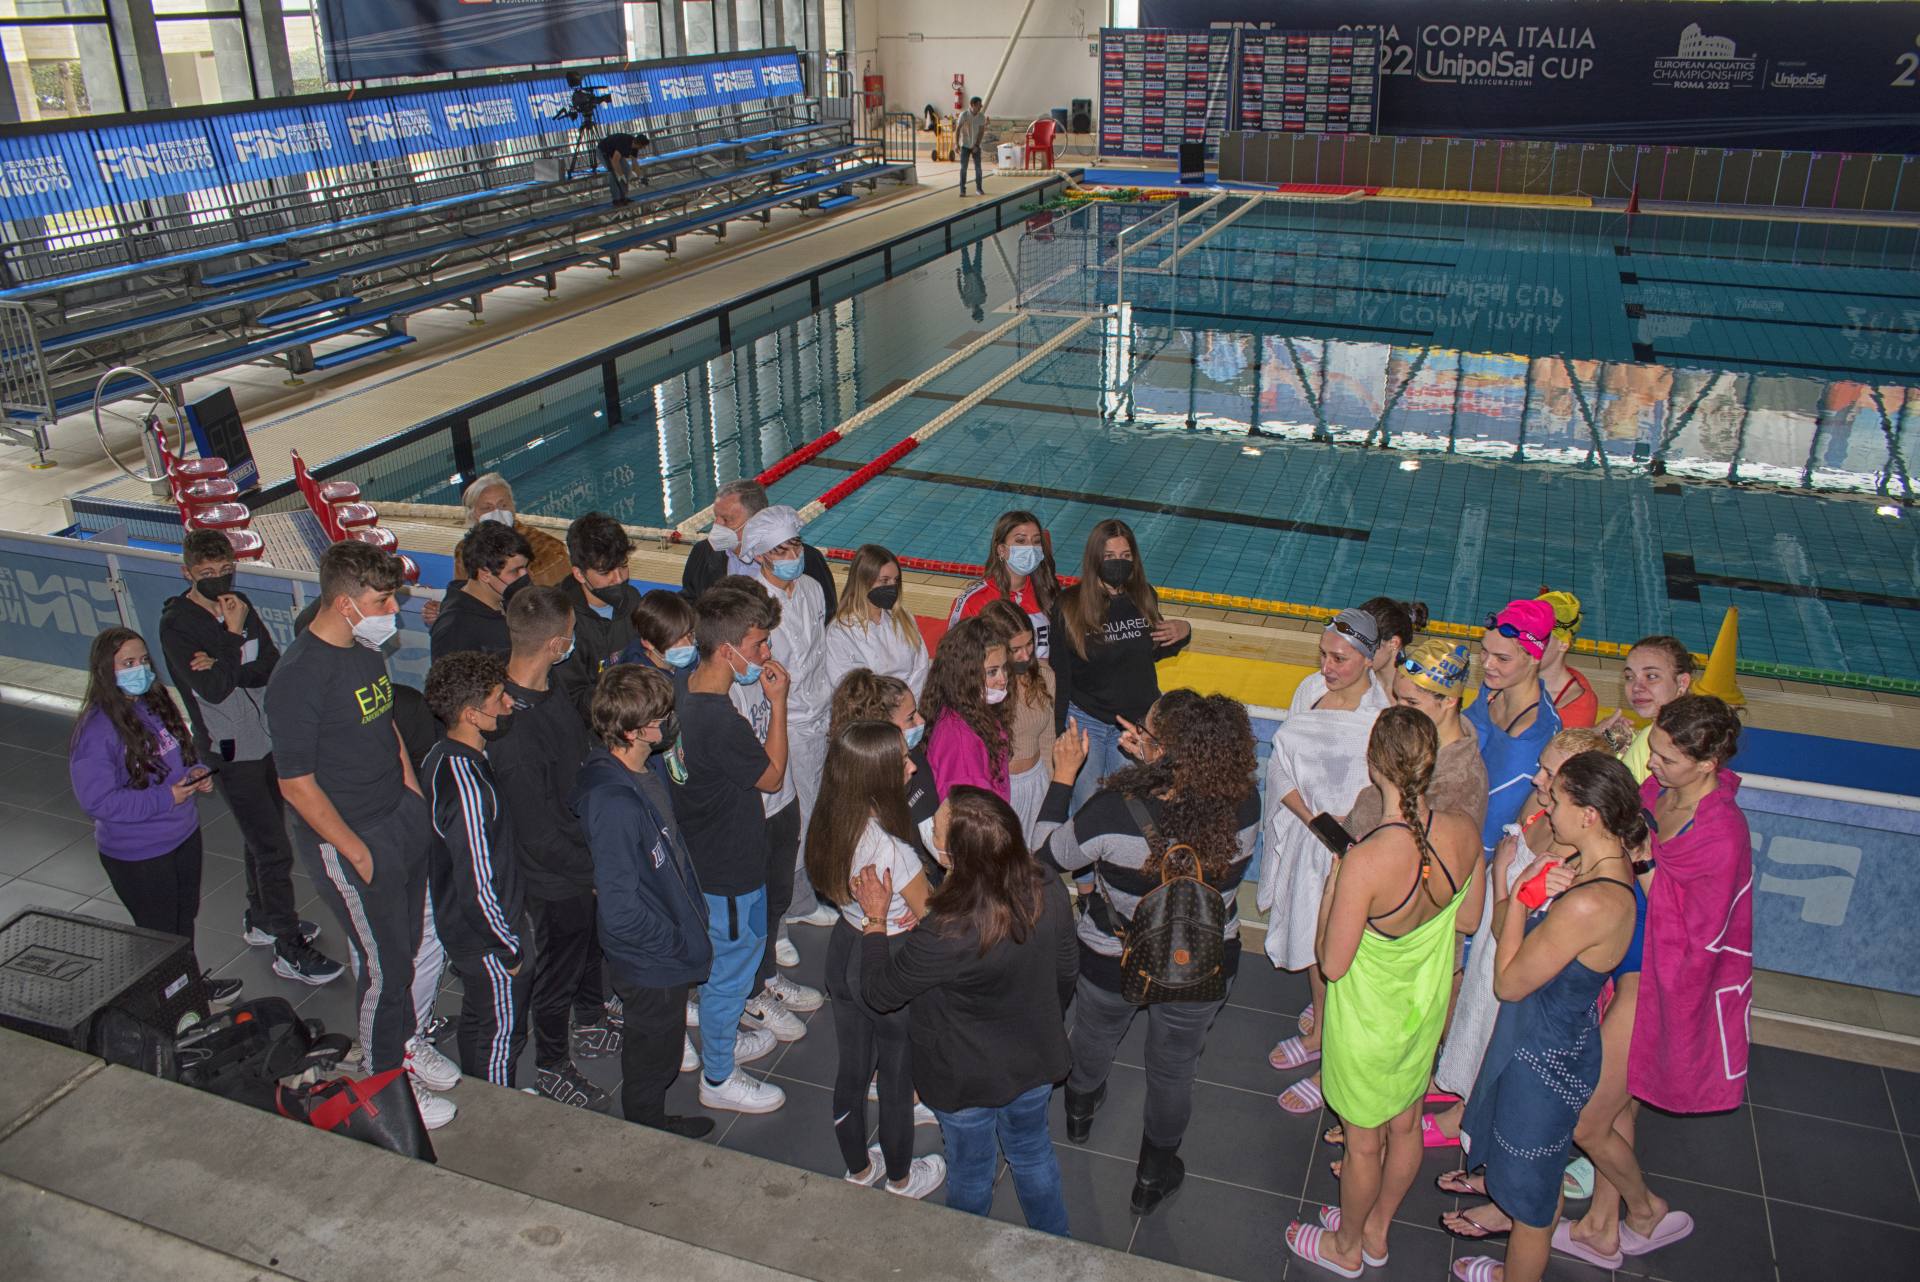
<point>915,734</point>
<point>604,611</point>
<point>788,571</point>
<point>567,653</point>
<point>1025,558</point>
<point>135,681</point>
<point>751,676</point>
<point>681,656</point>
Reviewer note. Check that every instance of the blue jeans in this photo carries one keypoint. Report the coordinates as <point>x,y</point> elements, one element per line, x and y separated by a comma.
<point>975,1137</point>
<point>1103,754</point>
<point>974,152</point>
<point>737,925</point>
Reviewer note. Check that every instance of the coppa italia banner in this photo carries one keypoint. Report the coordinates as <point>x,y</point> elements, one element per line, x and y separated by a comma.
<point>373,39</point>
<point>1831,77</point>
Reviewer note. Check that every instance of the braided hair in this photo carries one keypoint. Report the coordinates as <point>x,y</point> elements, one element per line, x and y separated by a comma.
<point>1403,750</point>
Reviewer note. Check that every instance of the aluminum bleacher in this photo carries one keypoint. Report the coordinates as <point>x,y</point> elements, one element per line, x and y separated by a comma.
<point>185,242</point>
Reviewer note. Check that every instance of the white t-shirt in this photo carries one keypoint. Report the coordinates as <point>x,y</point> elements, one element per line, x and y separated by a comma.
<point>884,854</point>
<point>752,703</point>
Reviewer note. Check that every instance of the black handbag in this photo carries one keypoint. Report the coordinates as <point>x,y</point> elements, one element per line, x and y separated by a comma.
<point>378,1110</point>
<point>242,1053</point>
<point>1175,947</point>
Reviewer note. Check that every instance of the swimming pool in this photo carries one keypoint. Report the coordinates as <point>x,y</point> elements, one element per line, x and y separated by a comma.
<point>1667,419</point>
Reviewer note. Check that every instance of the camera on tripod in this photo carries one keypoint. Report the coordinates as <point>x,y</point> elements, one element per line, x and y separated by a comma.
<point>585,101</point>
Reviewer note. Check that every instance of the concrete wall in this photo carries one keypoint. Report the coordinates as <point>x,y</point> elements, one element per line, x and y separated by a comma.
<point>1050,66</point>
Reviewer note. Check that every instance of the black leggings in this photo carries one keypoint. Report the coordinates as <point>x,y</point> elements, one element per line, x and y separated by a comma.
<point>868,1040</point>
<point>163,894</point>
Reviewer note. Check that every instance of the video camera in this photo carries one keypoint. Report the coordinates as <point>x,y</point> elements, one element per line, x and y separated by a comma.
<point>585,101</point>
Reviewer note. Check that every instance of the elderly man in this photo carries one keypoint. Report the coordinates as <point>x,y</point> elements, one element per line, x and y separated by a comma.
<point>719,555</point>
<point>490,498</point>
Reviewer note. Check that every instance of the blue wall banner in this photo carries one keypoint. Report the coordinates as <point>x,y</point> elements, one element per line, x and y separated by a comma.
<point>51,172</point>
<point>1834,77</point>
<point>373,39</point>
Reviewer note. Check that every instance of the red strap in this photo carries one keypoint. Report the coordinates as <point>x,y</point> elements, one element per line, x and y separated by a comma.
<point>347,1096</point>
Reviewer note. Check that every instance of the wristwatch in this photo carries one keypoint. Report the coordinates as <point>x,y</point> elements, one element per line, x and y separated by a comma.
<point>870,921</point>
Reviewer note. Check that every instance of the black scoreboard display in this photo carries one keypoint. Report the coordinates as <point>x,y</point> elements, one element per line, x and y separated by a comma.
<point>1159,89</point>
<point>1316,82</point>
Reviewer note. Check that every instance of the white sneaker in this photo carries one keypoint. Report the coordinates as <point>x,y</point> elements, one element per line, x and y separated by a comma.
<point>876,1170</point>
<point>436,1111</point>
<point>822,915</point>
<point>873,1091</point>
<point>796,997</point>
<point>923,1116</point>
<point>784,953</point>
<point>693,1009</point>
<point>923,1177</point>
<point>429,1067</point>
<point>741,1094</point>
<point>752,1044</point>
<point>690,1058</point>
<point>765,1011</point>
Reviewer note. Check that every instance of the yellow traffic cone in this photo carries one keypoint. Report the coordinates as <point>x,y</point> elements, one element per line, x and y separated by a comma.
<point>1719,680</point>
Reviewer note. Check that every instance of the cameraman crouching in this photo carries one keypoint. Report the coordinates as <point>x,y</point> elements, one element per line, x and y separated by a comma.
<point>622,154</point>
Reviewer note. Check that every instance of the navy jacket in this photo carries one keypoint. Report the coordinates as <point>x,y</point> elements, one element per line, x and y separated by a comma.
<point>653,921</point>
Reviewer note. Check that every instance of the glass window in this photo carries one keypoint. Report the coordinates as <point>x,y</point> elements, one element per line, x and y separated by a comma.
<point>698,15</point>
<point>301,22</point>
<point>206,59</point>
<point>60,70</point>
<point>643,29</point>
<point>747,32</point>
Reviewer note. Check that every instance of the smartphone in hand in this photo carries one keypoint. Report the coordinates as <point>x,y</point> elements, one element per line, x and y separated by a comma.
<point>1331,834</point>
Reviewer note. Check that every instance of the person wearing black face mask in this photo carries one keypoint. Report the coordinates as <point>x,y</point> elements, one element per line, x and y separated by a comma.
<point>1109,633</point>
<point>220,656</point>
<point>870,629</point>
<point>479,895</point>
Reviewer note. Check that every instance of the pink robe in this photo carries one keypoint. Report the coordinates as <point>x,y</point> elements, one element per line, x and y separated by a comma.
<point>1696,980</point>
<point>956,756</point>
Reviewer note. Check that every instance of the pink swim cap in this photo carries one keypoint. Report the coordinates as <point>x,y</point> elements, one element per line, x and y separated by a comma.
<point>1528,622</point>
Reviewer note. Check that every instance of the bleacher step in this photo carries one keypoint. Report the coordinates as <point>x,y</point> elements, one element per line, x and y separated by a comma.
<point>256,272</point>
<point>838,201</point>
<point>291,314</point>
<point>360,350</point>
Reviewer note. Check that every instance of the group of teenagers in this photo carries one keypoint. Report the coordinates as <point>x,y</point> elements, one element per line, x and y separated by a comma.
<point>607,808</point>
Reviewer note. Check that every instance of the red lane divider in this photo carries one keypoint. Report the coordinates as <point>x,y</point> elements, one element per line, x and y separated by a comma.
<point>893,455</point>
<point>799,458</point>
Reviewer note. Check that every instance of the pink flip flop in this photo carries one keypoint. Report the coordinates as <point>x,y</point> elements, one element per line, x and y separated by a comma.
<point>1292,1053</point>
<point>1304,1241</point>
<point>1440,1097</point>
<point>1673,1226</point>
<point>1330,1220</point>
<point>1305,1020</point>
<point>1475,1268</point>
<point>1431,1136</point>
<point>1302,1098</point>
<point>1564,1242</point>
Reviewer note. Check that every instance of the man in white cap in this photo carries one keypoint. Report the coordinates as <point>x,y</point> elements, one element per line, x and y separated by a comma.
<point>771,541</point>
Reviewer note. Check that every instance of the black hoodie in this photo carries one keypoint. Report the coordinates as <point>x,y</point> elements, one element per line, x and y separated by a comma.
<point>227,702</point>
<point>467,623</point>
<point>597,642</point>
<point>535,765</point>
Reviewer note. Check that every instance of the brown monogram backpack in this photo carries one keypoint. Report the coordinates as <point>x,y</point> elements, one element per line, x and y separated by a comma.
<point>1174,949</point>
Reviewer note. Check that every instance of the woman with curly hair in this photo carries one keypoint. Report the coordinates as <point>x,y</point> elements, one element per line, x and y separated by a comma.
<point>134,774</point>
<point>966,704</point>
<point>1194,786</point>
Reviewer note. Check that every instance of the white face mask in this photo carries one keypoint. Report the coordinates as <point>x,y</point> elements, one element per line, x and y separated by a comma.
<point>722,539</point>
<point>374,630</point>
<point>499,516</point>
<point>996,694</point>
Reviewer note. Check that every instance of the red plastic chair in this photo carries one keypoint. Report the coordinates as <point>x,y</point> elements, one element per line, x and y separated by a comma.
<point>1039,143</point>
<point>378,535</point>
<point>187,471</point>
<point>217,516</point>
<point>247,546</point>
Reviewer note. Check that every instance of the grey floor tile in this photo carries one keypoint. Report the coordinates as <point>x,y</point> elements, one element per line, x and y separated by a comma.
<point>221,835</point>
<point>1118,1123</point>
<point>47,732</point>
<point>107,908</point>
<point>1096,1189</point>
<point>1905,1090</point>
<point>1217,1142</point>
<point>815,1058</point>
<point>1259,986</point>
<point>32,837</point>
<point>1819,1246</point>
<point>1423,1204</point>
<point>1715,1148</point>
<point>1854,1169</point>
<point>22,892</point>
<point>214,948</point>
<point>1223,1229</point>
<point>1822,1087</point>
<point>40,784</point>
<point>1729,1239</point>
<point>77,867</point>
<point>800,1133</point>
<point>1237,1049</point>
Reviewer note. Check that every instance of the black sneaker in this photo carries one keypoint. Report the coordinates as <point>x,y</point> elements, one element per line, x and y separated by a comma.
<point>301,962</point>
<point>566,1086</point>
<point>221,992</point>
<point>437,1028</point>
<point>693,1128</point>
<point>599,1039</point>
<point>259,938</point>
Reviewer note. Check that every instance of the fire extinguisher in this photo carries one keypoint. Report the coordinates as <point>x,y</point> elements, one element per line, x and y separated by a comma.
<point>875,87</point>
<point>959,93</point>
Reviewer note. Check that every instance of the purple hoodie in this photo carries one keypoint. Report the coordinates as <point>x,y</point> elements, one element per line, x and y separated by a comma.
<point>128,823</point>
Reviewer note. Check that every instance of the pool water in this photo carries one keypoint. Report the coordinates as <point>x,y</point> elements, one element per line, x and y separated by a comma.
<point>1666,419</point>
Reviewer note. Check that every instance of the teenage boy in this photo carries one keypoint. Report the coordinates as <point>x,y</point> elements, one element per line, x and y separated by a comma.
<point>771,540</point>
<point>730,772</point>
<point>653,917</point>
<point>603,604</point>
<point>535,766</point>
<point>474,615</point>
<point>478,895</point>
<point>361,823</point>
<point>220,656</point>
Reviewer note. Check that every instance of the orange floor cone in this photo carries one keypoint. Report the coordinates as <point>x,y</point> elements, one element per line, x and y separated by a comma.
<point>1719,680</point>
